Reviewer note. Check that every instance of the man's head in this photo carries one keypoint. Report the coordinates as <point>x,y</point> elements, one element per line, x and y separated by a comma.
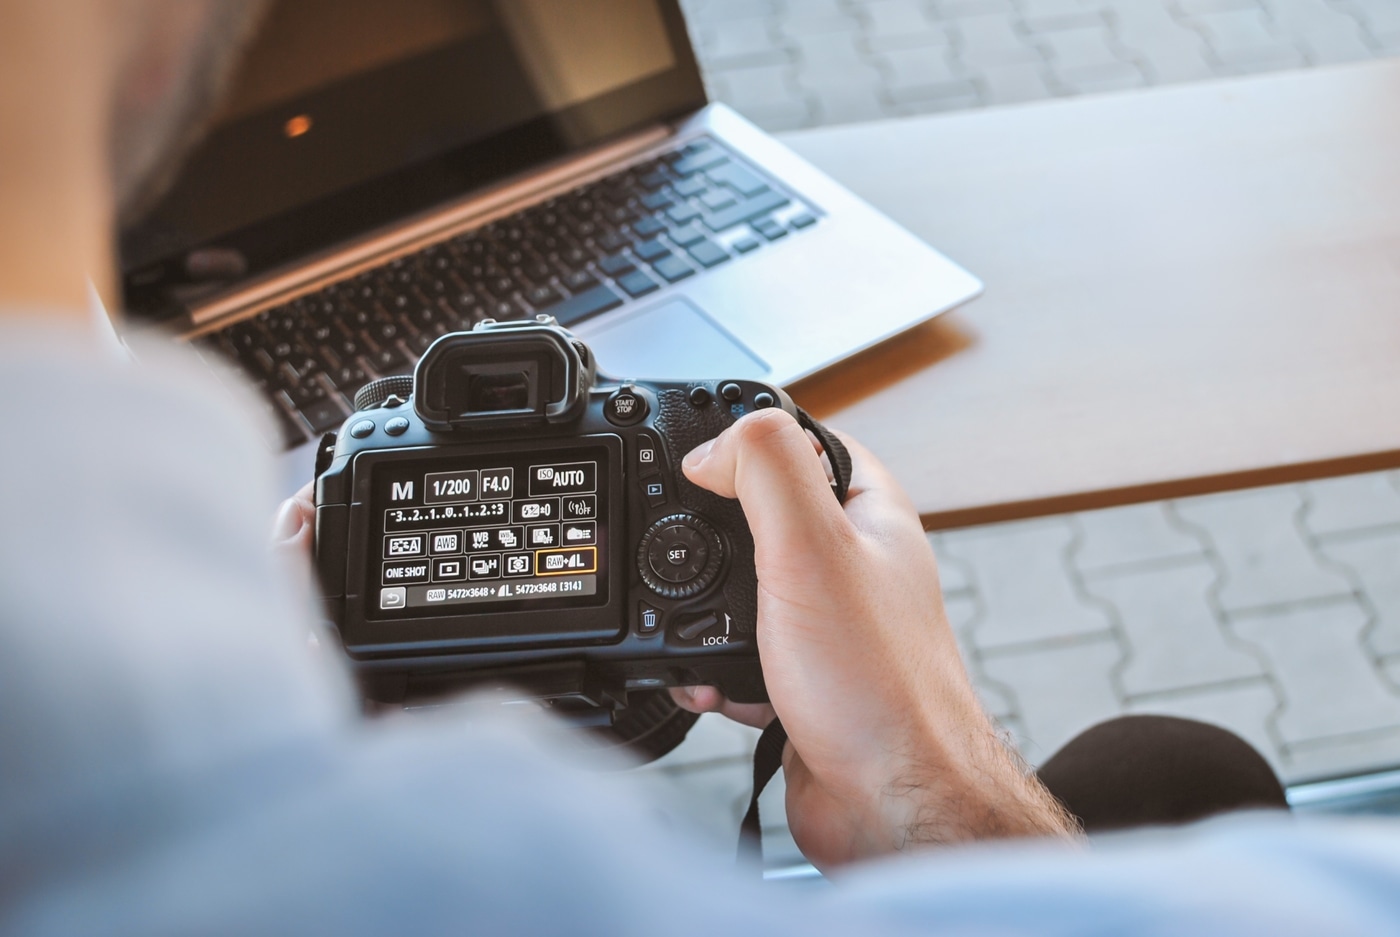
<point>175,57</point>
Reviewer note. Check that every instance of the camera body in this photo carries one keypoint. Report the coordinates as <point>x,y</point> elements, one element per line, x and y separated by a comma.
<point>512,518</point>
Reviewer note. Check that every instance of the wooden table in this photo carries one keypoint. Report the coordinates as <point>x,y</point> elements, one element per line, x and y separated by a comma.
<point>1189,289</point>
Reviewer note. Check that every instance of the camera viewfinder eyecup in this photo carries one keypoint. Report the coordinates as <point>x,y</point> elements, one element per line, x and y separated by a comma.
<point>506,375</point>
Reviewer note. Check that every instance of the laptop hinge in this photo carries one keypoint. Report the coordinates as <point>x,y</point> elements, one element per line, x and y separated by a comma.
<point>413,234</point>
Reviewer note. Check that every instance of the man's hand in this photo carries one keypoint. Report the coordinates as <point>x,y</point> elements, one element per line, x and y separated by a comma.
<point>889,747</point>
<point>294,530</point>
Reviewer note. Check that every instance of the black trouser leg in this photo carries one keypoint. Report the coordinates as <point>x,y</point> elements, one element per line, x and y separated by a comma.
<point>1153,770</point>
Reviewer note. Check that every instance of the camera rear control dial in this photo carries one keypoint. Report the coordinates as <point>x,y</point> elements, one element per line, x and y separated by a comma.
<point>680,556</point>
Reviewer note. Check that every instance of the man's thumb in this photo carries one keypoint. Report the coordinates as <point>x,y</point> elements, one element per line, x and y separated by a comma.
<point>767,461</point>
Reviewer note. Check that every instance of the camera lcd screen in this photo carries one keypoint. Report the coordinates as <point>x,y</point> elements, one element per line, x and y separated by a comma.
<point>453,535</point>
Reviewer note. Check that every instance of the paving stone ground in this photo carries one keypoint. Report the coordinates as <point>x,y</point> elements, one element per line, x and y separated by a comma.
<point>1274,612</point>
<point>803,63</point>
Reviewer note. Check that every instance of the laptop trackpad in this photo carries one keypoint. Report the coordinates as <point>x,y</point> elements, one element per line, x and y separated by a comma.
<point>673,340</point>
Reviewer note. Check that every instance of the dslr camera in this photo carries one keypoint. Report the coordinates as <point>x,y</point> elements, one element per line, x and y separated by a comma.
<point>508,516</point>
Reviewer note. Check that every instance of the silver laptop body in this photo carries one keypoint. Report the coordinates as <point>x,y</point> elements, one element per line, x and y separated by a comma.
<point>842,283</point>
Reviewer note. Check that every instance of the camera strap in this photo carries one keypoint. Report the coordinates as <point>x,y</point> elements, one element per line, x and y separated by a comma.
<point>768,753</point>
<point>767,759</point>
<point>836,454</point>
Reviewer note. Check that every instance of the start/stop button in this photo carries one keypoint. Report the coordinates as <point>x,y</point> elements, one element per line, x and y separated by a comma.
<point>625,406</point>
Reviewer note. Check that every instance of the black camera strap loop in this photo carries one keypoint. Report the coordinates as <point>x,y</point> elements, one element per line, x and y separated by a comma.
<point>836,454</point>
<point>767,759</point>
<point>768,753</point>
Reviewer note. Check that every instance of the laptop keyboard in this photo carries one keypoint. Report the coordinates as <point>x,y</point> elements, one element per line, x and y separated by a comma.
<point>594,249</point>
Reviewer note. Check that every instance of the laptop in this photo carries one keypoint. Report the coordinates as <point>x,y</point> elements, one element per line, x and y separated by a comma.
<point>383,173</point>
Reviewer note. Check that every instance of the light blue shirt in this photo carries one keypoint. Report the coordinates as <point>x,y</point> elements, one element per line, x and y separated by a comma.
<point>175,759</point>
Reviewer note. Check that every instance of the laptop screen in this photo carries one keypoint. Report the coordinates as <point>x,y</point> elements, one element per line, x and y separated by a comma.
<point>346,115</point>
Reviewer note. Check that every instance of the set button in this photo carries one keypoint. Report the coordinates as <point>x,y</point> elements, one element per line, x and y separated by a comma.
<point>679,556</point>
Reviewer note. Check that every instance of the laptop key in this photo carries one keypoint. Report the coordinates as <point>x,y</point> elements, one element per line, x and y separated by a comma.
<point>738,178</point>
<point>651,250</point>
<point>588,303</point>
<point>804,220</point>
<point>770,228</point>
<point>613,241</point>
<point>700,161</point>
<point>387,359</point>
<point>689,188</point>
<point>708,254</point>
<point>673,269</point>
<point>655,201</point>
<point>648,226</point>
<point>349,377</point>
<point>578,280</point>
<point>746,210</point>
<point>747,243</point>
<point>637,283</point>
<point>323,416</point>
<point>716,199</point>
<point>682,214</point>
<point>540,296</point>
<point>616,265</point>
<point>687,235</point>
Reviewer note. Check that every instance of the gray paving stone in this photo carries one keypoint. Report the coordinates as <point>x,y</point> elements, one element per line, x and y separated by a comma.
<point>1381,17</point>
<point>963,611</point>
<point>1197,7</point>
<point>802,25</point>
<point>1329,34</point>
<point>1267,561</point>
<point>953,96</point>
<point>736,43</point>
<point>1060,691</point>
<point>1243,39</point>
<point>954,575</point>
<point>1129,536</point>
<point>957,9</point>
<point>1014,84</point>
<point>1174,637</point>
<point>1044,15</point>
<point>837,105</point>
<point>1168,51</point>
<point>1025,592</point>
<point>708,798</point>
<point>1085,47</point>
<point>1354,502</point>
<point>855,75</point>
<point>1332,758</point>
<point>1251,61</point>
<point>711,10</point>
<point>915,68</point>
<point>898,23</point>
<point>761,86</point>
<point>1244,709</point>
<point>1329,684</point>
<point>713,738</point>
<point>1374,559</point>
<point>1098,79</point>
<point>992,40</point>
